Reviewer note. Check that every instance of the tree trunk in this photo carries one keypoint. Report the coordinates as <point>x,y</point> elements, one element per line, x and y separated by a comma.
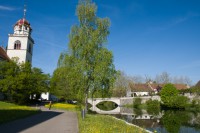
<point>86,102</point>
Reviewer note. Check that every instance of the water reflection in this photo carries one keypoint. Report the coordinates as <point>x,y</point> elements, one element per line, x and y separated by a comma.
<point>170,121</point>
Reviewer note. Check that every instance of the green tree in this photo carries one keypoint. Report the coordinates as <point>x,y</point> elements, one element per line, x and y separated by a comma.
<point>8,72</point>
<point>153,107</point>
<point>20,81</point>
<point>88,64</point>
<point>171,99</point>
<point>168,95</point>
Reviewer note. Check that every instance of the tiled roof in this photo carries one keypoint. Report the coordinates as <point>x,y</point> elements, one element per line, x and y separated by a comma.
<point>3,54</point>
<point>178,86</point>
<point>151,87</point>
<point>181,86</point>
<point>140,87</point>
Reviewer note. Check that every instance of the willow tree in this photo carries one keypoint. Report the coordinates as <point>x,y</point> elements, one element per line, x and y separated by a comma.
<point>89,64</point>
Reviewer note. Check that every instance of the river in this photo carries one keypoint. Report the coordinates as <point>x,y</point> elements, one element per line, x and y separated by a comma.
<point>165,121</point>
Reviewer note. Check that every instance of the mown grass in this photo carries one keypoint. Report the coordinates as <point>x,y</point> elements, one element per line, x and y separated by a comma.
<point>10,112</point>
<point>105,124</point>
<point>95,123</point>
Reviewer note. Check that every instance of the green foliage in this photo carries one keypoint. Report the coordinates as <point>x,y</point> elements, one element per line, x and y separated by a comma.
<point>137,102</point>
<point>172,120</point>
<point>168,95</point>
<point>171,99</point>
<point>20,81</point>
<point>181,102</point>
<point>153,107</point>
<point>195,90</point>
<point>194,106</point>
<point>137,111</point>
<point>87,67</point>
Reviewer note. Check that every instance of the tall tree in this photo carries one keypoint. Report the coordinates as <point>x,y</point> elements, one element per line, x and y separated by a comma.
<point>89,64</point>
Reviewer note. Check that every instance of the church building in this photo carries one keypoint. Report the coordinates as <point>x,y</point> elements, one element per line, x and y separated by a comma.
<point>20,43</point>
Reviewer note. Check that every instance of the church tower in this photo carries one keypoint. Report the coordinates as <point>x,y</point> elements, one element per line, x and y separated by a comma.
<point>20,44</point>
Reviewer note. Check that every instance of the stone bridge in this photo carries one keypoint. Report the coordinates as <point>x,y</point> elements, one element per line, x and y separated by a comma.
<point>119,101</point>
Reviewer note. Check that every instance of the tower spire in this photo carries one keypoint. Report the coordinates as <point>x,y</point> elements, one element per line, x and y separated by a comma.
<point>24,11</point>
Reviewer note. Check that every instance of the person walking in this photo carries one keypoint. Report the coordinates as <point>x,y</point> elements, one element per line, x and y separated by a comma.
<point>50,104</point>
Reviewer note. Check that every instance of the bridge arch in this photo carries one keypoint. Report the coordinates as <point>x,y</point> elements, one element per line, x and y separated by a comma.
<point>96,101</point>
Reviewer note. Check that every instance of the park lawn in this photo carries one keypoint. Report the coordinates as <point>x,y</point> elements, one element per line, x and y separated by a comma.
<point>105,124</point>
<point>64,106</point>
<point>10,112</point>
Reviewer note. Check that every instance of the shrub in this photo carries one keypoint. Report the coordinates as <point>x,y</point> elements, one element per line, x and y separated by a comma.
<point>181,102</point>
<point>153,107</point>
<point>137,102</point>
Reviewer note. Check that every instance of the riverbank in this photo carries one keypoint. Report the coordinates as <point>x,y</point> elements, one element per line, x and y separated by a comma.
<point>106,124</point>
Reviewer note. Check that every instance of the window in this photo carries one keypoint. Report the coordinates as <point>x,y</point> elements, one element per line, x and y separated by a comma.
<point>17,45</point>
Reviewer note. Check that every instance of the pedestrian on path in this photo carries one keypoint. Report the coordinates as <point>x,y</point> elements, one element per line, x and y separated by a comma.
<point>50,104</point>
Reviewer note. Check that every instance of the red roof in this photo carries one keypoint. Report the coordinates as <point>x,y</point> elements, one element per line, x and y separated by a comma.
<point>150,87</point>
<point>178,86</point>
<point>23,21</point>
<point>140,87</point>
<point>3,54</point>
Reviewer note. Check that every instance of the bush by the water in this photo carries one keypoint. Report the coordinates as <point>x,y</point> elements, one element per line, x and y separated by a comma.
<point>137,102</point>
<point>171,98</point>
<point>153,107</point>
<point>181,102</point>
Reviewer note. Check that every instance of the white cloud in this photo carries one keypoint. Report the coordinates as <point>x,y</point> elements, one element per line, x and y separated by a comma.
<point>7,8</point>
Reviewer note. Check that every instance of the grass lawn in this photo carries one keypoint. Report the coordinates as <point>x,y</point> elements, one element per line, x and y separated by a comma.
<point>95,123</point>
<point>10,112</point>
<point>105,124</point>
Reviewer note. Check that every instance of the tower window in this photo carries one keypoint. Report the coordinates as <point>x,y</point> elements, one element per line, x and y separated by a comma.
<point>17,45</point>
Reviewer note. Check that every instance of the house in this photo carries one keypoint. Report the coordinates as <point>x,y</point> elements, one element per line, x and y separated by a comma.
<point>49,97</point>
<point>149,88</point>
<point>3,55</point>
<point>140,90</point>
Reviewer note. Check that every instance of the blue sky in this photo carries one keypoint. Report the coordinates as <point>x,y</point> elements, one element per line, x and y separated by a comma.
<point>147,37</point>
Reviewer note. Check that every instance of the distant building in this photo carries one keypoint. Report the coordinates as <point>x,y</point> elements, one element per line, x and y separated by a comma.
<point>150,88</point>
<point>140,90</point>
<point>49,97</point>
